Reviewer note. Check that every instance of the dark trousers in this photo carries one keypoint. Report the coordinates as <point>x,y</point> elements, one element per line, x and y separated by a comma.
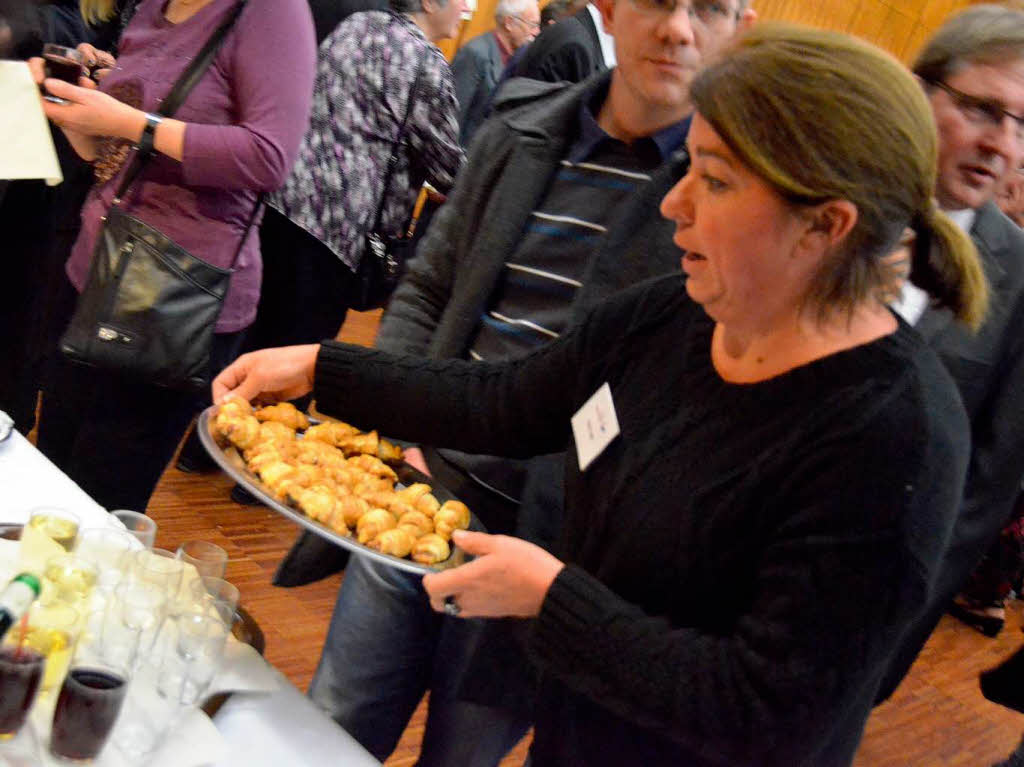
<point>38,225</point>
<point>302,298</point>
<point>114,435</point>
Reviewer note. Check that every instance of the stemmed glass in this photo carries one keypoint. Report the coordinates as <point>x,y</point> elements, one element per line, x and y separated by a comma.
<point>198,648</point>
<point>133,621</point>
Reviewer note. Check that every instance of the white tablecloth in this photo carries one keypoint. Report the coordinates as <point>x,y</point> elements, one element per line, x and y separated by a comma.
<point>266,722</point>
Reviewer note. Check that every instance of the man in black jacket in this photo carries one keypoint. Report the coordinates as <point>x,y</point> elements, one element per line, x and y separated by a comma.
<point>555,209</point>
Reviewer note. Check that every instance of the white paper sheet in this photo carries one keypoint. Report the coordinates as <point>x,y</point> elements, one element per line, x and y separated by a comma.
<point>26,147</point>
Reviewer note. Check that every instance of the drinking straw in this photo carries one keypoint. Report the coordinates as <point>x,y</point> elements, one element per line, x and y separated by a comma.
<point>22,635</point>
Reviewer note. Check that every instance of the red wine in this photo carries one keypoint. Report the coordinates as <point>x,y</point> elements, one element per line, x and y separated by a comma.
<point>20,672</point>
<point>87,708</point>
<point>63,68</point>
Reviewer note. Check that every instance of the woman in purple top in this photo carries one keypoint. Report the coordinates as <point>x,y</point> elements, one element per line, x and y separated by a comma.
<point>235,136</point>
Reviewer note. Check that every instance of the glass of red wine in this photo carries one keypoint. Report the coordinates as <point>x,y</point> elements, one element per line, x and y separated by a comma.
<point>64,64</point>
<point>88,705</point>
<point>21,669</point>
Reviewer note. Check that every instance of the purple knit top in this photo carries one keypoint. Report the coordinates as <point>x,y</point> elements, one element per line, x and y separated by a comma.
<point>245,118</point>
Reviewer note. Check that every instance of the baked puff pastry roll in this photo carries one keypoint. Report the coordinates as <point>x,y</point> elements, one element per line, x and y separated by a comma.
<point>352,508</point>
<point>317,502</point>
<point>389,452</point>
<point>428,504</point>
<point>242,431</point>
<point>331,432</point>
<point>360,443</point>
<point>373,466</point>
<point>413,492</point>
<point>285,413</point>
<point>397,542</point>
<point>235,405</point>
<point>431,549</point>
<point>275,431</point>
<point>418,521</point>
<point>373,523</point>
<point>453,515</point>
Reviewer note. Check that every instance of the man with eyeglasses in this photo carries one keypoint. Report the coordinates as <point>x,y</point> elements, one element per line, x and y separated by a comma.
<point>478,64</point>
<point>555,209</point>
<point>972,72</point>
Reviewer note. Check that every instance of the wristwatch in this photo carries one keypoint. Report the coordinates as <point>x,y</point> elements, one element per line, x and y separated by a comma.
<point>149,132</point>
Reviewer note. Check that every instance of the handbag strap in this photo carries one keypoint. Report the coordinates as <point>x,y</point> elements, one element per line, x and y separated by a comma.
<point>172,101</point>
<point>393,160</point>
<point>185,83</point>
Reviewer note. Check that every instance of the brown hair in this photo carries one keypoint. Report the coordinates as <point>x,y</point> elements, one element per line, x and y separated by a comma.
<point>823,116</point>
<point>982,34</point>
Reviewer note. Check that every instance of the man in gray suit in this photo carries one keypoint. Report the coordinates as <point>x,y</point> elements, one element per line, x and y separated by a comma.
<point>972,71</point>
<point>479,63</point>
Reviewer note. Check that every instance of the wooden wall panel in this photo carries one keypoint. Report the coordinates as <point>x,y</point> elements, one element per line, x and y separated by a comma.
<point>899,26</point>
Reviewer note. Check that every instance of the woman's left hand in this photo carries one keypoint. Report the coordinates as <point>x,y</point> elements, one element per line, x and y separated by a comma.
<point>509,577</point>
<point>90,112</point>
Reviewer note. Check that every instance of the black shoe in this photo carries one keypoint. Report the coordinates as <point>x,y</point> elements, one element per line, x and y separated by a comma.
<point>193,458</point>
<point>977,618</point>
<point>243,497</point>
<point>1002,685</point>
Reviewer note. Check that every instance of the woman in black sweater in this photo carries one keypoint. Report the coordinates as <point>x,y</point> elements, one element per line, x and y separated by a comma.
<point>739,561</point>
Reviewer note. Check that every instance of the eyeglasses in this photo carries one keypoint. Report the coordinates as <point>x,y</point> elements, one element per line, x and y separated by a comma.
<point>986,112</point>
<point>706,12</point>
<point>533,26</point>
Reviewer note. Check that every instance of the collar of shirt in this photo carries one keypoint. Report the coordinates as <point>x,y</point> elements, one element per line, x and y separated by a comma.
<point>963,218</point>
<point>607,41</point>
<point>591,134</point>
<point>506,53</point>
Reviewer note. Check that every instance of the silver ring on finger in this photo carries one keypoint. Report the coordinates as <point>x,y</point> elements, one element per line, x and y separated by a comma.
<point>451,607</point>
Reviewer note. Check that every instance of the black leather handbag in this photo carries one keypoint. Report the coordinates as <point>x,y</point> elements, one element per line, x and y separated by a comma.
<point>384,257</point>
<point>149,307</point>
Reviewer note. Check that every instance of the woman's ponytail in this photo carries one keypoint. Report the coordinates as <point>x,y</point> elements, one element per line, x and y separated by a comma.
<point>945,264</point>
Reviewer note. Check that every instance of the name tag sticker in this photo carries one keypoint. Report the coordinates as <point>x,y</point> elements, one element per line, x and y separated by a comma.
<point>594,426</point>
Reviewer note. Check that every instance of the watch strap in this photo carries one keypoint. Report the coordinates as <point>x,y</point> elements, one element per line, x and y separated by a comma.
<point>145,144</point>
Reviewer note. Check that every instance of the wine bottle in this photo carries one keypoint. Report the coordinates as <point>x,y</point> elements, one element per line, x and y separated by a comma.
<point>16,599</point>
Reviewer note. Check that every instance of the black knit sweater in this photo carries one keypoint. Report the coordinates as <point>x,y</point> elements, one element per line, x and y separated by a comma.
<point>741,558</point>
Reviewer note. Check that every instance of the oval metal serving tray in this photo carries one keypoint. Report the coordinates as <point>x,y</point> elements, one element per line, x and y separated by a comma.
<point>233,464</point>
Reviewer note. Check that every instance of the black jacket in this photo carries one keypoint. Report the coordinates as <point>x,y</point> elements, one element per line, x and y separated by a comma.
<point>569,51</point>
<point>988,367</point>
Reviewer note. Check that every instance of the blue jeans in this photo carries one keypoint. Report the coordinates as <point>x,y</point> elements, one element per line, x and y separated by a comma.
<point>384,649</point>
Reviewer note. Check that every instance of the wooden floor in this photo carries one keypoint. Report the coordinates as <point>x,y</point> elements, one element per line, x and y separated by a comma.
<point>937,717</point>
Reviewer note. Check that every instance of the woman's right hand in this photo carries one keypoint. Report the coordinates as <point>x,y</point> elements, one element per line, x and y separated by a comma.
<point>85,145</point>
<point>100,63</point>
<point>269,374</point>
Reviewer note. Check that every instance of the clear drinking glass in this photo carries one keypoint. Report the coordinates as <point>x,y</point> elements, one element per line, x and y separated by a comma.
<point>133,620</point>
<point>215,596</point>
<point>51,631</point>
<point>69,579</point>
<point>48,532</point>
<point>207,558</point>
<point>136,523</point>
<point>110,551</point>
<point>159,567</point>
